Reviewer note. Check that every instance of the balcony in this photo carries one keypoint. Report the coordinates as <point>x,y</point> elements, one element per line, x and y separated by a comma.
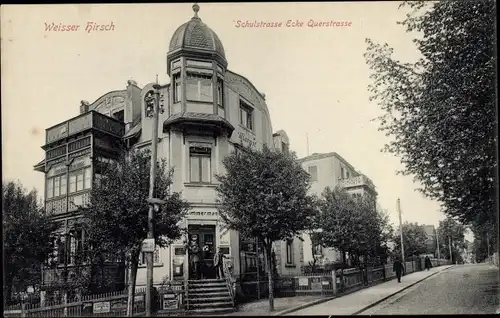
<point>359,181</point>
<point>90,120</point>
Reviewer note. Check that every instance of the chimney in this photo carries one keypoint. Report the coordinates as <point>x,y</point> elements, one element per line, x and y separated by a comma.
<point>84,106</point>
<point>131,82</point>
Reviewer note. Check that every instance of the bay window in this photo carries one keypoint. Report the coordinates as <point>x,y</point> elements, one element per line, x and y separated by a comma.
<point>56,186</point>
<point>199,87</point>
<point>177,88</point>
<point>220,93</point>
<point>80,180</point>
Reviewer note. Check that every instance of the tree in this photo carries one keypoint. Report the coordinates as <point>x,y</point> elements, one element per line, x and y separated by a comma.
<point>450,230</point>
<point>263,194</point>
<point>116,221</point>
<point>27,233</point>
<point>352,225</point>
<point>441,108</point>
<point>414,240</point>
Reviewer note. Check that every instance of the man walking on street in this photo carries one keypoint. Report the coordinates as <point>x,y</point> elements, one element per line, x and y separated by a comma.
<point>398,267</point>
<point>428,263</point>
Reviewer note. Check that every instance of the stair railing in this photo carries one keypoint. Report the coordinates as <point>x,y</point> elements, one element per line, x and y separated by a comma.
<point>228,276</point>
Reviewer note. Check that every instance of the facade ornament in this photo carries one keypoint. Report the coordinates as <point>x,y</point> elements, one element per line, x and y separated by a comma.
<point>196,8</point>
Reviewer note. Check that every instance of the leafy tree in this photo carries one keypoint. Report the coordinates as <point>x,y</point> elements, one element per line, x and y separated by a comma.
<point>27,237</point>
<point>450,230</point>
<point>263,194</point>
<point>441,108</point>
<point>352,226</point>
<point>116,221</point>
<point>414,240</point>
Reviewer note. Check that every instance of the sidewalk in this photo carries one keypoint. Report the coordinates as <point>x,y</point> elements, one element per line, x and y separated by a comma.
<point>363,299</point>
<point>261,307</point>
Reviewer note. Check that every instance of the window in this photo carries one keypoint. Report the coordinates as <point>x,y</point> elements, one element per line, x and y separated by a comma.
<point>200,164</point>
<point>63,184</point>
<point>341,172</point>
<point>220,94</point>
<point>56,186</point>
<point>177,88</point>
<point>199,87</point>
<point>313,172</point>
<point>80,180</point>
<point>119,115</point>
<point>88,178</point>
<point>347,174</point>
<point>246,115</point>
<point>61,249</point>
<point>156,257</point>
<point>50,188</point>
<point>289,251</point>
<point>72,182</point>
<point>318,249</point>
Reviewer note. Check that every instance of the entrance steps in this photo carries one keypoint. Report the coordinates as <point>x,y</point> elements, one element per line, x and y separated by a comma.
<point>208,297</point>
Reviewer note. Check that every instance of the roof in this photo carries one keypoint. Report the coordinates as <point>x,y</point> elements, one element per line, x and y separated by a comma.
<point>133,131</point>
<point>317,156</point>
<point>195,34</point>
<point>199,117</point>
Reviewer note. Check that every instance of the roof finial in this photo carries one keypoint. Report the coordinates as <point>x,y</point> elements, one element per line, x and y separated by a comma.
<point>196,8</point>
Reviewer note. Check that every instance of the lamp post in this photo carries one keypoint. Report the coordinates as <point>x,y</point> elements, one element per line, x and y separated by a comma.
<point>437,242</point>
<point>152,100</point>
<point>449,246</point>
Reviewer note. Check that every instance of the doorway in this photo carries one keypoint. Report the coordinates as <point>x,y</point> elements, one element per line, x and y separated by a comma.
<point>202,245</point>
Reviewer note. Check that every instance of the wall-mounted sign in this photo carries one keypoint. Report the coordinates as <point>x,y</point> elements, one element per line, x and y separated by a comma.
<point>303,281</point>
<point>148,245</point>
<point>102,307</point>
<point>246,140</point>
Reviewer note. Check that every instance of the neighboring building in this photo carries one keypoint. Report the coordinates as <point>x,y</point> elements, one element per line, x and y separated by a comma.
<point>331,170</point>
<point>430,231</point>
<point>210,112</point>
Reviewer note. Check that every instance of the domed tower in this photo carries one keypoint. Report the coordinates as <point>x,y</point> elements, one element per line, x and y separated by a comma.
<point>196,64</point>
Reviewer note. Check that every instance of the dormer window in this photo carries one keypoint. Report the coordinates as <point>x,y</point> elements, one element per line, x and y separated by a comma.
<point>246,115</point>
<point>199,87</point>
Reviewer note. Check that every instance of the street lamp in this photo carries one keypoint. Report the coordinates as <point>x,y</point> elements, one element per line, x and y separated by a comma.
<point>153,107</point>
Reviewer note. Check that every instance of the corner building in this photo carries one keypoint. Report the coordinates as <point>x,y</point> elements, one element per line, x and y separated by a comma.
<point>210,112</point>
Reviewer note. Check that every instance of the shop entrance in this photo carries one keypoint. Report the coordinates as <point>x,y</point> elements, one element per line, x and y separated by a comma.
<point>201,251</point>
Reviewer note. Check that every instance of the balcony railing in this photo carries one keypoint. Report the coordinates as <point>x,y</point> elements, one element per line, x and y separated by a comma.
<point>358,181</point>
<point>85,121</point>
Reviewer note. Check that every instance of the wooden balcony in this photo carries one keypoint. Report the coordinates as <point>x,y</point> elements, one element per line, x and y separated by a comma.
<point>89,120</point>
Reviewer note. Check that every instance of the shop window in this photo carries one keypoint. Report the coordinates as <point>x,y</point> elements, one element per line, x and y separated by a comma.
<point>199,87</point>
<point>246,115</point>
<point>313,172</point>
<point>200,164</point>
<point>177,88</point>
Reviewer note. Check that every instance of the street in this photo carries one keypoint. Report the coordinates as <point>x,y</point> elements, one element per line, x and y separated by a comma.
<point>462,289</point>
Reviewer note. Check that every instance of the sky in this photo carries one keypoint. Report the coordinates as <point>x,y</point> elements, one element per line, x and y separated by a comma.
<point>315,78</point>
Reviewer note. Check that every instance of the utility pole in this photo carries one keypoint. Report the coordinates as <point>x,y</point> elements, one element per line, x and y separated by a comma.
<point>437,242</point>
<point>449,245</point>
<point>401,231</point>
<point>152,100</point>
<point>488,246</point>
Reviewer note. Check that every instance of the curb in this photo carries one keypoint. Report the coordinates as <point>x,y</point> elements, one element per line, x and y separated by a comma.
<point>306,305</point>
<point>399,291</point>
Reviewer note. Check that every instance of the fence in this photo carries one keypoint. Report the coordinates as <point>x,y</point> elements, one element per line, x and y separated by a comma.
<point>167,300</point>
